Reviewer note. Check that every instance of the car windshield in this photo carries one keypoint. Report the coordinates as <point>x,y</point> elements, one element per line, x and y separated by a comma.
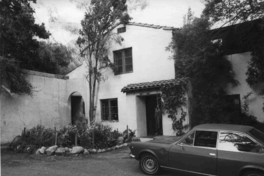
<point>257,134</point>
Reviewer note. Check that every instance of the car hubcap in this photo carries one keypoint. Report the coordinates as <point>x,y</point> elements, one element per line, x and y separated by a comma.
<point>149,165</point>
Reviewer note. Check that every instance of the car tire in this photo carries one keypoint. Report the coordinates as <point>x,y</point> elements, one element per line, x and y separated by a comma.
<point>149,164</point>
<point>253,173</point>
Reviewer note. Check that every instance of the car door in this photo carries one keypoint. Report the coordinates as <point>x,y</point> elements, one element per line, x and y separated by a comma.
<point>196,153</point>
<point>237,150</point>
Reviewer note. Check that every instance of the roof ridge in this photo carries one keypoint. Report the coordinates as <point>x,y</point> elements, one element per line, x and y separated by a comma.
<point>152,26</point>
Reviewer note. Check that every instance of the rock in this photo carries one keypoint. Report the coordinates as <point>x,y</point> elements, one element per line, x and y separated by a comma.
<point>60,151</point>
<point>86,152</point>
<point>120,140</point>
<point>51,150</point>
<point>67,149</point>
<point>103,150</point>
<point>125,144</point>
<point>37,152</point>
<point>99,151</point>
<point>77,150</point>
<point>42,150</point>
<point>92,150</point>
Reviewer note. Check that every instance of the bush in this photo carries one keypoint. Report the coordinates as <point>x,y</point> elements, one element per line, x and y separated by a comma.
<point>33,138</point>
<point>104,137</point>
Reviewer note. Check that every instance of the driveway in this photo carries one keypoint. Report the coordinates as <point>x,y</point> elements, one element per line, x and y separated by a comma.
<point>116,163</point>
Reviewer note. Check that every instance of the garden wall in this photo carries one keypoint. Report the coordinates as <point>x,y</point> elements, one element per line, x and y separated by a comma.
<point>49,105</point>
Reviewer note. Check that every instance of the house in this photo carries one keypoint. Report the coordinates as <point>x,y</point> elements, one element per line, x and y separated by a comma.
<point>130,96</point>
<point>237,42</point>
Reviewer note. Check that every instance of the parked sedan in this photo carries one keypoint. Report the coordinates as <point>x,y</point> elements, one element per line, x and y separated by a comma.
<point>208,149</point>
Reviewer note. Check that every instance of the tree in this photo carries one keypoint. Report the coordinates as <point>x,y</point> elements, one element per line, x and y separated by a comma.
<point>18,44</point>
<point>100,19</point>
<point>202,62</point>
<point>53,58</point>
<point>233,11</point>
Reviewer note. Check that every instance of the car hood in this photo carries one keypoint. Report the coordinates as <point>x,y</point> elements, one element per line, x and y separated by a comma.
<point>165,139</point>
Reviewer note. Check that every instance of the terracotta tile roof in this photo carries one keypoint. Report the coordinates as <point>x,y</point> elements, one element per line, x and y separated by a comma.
<point>154,85</point>
<point>152,26</point>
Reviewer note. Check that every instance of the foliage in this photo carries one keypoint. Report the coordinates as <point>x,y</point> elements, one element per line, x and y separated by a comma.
<point>174,99</point>
<point>18,34</point>
<point>12,77</point>
<point>234,11</point>
<point>128,135</point>
<point>52,58</point>
<point>202,62</point>
<point>99,21</point>
<point>255,72</point>
<point>37,136</point>
<point>104,137</point>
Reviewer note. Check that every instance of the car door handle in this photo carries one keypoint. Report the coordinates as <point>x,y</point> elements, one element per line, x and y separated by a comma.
<point>212,154</point>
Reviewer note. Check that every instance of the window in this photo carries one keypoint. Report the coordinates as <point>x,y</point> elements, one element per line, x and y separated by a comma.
<point>123,61</point>
<point>188,140</point>
<point>232,141</point>
<point>205,139</point>
<point>121,29</point>
<point>109,109</point>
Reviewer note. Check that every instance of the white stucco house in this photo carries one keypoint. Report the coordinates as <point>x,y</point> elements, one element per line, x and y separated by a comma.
<point>130,96</point>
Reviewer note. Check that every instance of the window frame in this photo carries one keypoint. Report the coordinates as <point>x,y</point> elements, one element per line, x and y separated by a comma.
<point>124,61</point>
<point>109,118</point>
<point>180,142</point>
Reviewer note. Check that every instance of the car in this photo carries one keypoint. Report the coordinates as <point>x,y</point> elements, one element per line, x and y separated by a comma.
<point>207,149</point>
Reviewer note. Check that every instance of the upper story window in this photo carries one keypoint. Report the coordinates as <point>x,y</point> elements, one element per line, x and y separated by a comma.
<point>109,109</point>
<point>123,61</point>
<point>121,29</point>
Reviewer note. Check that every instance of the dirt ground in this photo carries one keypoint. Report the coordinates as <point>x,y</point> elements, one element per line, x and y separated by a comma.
<point>116,163</point>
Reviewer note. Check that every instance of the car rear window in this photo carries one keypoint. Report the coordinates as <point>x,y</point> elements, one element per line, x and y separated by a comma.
<point>257,134</point>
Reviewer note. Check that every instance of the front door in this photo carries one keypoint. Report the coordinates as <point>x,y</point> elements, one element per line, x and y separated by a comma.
<point>154,115</point>
<point>195,155</point>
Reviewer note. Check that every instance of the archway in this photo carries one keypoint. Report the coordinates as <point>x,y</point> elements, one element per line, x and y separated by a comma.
<point>77,105</point>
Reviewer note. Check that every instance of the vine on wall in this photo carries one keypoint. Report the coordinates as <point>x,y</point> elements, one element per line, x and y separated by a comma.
<point>173,102</point>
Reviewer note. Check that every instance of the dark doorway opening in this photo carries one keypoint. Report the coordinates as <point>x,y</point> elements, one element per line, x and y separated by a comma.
<point>154,115</point>
<point>77,110</point>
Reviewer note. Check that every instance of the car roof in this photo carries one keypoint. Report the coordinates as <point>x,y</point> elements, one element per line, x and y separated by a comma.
<point>217,127</point>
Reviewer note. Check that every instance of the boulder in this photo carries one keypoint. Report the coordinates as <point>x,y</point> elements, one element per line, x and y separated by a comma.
<point>42,150</point>
<point>120,140</point>
<point>60,151</point>
<point>51,150</point>
<point>77,150</point>
<point>86,152</point>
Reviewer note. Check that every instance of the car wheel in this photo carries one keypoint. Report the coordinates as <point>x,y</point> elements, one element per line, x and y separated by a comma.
<point>149,164</point>
<point>253,173</point>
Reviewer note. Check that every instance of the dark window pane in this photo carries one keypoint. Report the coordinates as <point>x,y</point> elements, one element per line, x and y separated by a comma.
<point>105,109</point>
<point>129,68</point>
<point>121,29</point>
<point>109,109</point>
<point>128,52</point>
<point>205,138</point>
<point>123,61</point>
<point>128,60</point>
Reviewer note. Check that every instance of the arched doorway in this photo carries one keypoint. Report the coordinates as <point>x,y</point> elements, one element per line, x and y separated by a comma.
<point>77,105</point>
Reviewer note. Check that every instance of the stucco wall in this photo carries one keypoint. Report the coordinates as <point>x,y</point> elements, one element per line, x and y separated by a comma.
<point>240,63</point>
<point>150,63</point>
<point>49,105</point>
